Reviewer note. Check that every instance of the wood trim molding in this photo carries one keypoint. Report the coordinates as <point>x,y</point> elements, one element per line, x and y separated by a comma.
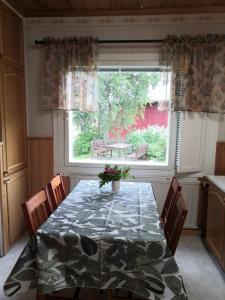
<point>126,20</point>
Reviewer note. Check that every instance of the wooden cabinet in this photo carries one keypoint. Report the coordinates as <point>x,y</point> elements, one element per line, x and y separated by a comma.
<point>215,235</point>
<point>13,119</point>
<point>13,156</point>
<point>11,37</point>
<point>14,190</point>
<point>203,205</point>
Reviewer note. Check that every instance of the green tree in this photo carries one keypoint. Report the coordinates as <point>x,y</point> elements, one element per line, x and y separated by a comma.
<point>82,143</point>
<point>122,97</point>
<point>84,120</point>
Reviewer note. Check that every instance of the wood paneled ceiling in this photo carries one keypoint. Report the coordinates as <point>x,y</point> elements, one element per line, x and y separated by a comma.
<point>61,8</point>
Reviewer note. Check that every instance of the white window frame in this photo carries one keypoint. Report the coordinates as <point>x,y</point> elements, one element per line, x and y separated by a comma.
<point>61,132</point>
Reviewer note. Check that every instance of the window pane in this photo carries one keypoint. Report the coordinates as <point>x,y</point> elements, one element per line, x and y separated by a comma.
<point>132,123</point>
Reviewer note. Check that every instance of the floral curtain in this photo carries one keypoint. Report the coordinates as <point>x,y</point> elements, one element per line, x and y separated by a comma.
<point>70,74</point>
<point>198,65</point>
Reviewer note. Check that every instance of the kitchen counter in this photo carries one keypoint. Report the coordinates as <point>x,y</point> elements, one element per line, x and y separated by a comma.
<point>219,181</point>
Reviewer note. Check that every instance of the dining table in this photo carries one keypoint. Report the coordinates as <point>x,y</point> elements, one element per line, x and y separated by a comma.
<point>103,240</point>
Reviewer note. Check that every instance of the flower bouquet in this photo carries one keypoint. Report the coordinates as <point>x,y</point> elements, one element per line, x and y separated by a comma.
<point>113,174</point>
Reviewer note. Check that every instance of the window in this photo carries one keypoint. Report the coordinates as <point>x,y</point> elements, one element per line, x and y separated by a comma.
<point>132,125</point>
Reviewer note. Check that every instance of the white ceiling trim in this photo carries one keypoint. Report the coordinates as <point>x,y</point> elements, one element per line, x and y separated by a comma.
<point>126,20</point>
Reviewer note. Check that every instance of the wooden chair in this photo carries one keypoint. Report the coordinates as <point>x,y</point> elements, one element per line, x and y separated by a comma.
<point>99,147</point>
<point>37,210</point>
<point>56,191</point>
<point>171,198</point>
<point>140,152</point>
<point>175,222</point>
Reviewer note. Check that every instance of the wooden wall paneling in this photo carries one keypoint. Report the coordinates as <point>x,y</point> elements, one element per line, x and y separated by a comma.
<point>66,183</point>
<point>91,4</point>
<point>77,5</point>
<point>220,159</point>
<point>116,5</point>
<point>104,4</point>
<point>40,160</point>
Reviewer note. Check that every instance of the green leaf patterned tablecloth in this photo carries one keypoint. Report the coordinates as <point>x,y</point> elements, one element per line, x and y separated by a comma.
<point>101,240</point>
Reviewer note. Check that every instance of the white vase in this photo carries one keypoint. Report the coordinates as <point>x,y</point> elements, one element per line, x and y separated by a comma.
<point>115,186</point>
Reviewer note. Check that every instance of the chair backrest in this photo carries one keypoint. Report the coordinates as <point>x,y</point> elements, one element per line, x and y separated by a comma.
<point>175,222</point>
<point>56,191</point>
<point>171,198</point>
<point>97,144</point>
<point>141,150</point>
<point>36,210</point>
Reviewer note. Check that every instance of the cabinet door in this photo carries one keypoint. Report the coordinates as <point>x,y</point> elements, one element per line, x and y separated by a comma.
<point>13,119</point>
<point>215,222</point>
<point>11,37</point>
<point>14,194</point>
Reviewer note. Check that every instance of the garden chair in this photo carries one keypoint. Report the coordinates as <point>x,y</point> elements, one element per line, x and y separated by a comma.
<point>99,147</point>
<point>140,152</point>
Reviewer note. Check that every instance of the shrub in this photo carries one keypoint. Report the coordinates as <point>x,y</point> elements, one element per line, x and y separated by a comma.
<point>156,139</point>
<point>136,138</point>
<point>82,143</point>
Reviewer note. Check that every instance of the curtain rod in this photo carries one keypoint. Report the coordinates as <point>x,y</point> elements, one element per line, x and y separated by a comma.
<point>36,42</point>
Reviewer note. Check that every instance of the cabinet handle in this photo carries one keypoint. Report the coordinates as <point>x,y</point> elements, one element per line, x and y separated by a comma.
<point>5,173</point>
<point>6,181</point>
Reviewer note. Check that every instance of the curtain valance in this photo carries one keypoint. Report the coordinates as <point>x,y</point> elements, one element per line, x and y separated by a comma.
<point>198,65</point>
<point>70,74</point>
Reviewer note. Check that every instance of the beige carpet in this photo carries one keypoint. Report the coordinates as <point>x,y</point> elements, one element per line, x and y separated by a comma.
<point>203,278</point>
